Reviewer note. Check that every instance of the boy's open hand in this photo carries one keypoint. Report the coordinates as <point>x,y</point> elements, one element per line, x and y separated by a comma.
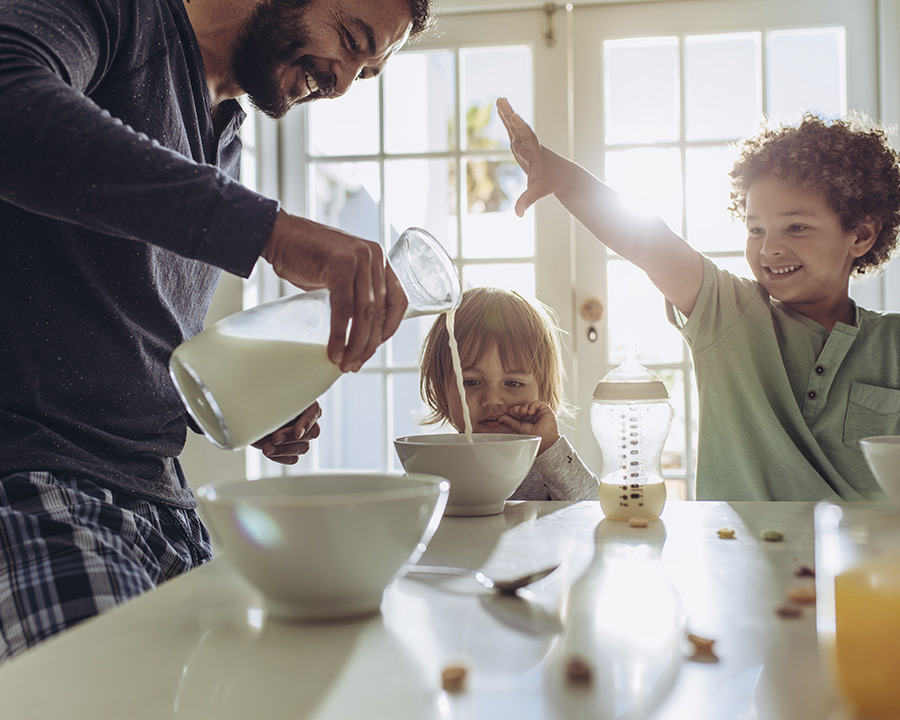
<point>534,418</point>
<point>529,153</point>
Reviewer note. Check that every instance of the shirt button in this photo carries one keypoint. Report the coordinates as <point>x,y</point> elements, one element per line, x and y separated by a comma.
<point>819,369</point>
<point>811,394</point>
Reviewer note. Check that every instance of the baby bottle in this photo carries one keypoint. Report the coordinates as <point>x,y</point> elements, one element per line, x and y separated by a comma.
<point>256,370</point>
<point>630,417</point>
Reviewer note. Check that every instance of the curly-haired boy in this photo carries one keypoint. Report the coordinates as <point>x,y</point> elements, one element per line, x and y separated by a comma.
<point>791,372</point>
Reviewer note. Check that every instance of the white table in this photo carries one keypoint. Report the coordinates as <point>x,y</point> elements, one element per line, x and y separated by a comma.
<point>201,646</point>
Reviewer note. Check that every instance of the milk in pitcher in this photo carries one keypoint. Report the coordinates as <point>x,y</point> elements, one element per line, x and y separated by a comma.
<point>263,379</point>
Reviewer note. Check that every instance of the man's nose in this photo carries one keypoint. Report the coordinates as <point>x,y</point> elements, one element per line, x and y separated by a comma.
<point>344,74</point>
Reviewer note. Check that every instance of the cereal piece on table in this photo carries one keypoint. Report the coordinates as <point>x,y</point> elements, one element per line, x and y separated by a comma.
<point>788,611</point>
<point>726,534</point>
<point>579,672</point>
<point>804,571</point>
<point>773,536</point>
<point>453,678</point>
<point>638,522</point>
<point>703,649</point>
<point>803,594</point>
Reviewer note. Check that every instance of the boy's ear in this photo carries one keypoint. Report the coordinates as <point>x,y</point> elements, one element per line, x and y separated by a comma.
<point>866,234</point>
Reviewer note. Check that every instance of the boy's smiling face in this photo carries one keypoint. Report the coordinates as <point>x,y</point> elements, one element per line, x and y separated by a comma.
<point>490,391</point>
<point>799,251</point>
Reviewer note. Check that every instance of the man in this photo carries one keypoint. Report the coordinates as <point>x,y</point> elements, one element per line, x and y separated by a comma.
<point>118,211</point>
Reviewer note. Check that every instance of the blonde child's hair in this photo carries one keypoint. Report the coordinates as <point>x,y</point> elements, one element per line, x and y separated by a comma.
<point>527,337</point>
<point>849,162</point>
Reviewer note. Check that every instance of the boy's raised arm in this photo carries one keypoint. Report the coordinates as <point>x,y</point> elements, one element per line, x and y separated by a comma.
<point>670,263</point>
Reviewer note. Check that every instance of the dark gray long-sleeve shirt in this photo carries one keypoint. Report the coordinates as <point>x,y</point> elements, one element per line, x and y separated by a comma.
<point>118,210</point>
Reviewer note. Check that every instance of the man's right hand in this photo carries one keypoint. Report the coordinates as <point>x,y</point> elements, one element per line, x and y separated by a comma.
<point>365,293</point>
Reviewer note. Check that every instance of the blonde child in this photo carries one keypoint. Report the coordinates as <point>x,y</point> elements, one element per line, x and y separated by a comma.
<point>791,372</point>
<point>513,378</point>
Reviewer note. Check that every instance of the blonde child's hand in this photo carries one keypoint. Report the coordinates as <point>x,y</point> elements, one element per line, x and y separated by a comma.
<point>532,157</point>
<point>534,418</point>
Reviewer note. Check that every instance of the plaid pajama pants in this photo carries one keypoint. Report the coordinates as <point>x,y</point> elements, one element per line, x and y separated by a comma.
<point>71,549</point>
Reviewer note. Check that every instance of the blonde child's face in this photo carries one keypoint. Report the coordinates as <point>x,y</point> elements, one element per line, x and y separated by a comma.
<point>796,247</point>
<point>491,390</point>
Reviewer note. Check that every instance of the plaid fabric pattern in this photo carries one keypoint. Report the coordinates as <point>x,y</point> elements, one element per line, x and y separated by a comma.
<point>71,549</point>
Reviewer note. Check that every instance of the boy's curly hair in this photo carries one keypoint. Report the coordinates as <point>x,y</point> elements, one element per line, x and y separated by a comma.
<point>527,337</point>
<point>849,162</point>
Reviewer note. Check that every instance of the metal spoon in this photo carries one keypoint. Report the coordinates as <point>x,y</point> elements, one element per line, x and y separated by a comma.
<point>504,587</point>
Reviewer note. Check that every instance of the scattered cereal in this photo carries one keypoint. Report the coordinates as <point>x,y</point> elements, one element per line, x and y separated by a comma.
<point>638,522</point>
<point>703,649</point>
<point>579,672</point>
<point>803,594</point>
<point>804,571</point>
<point>726,534</point>
<point>788,611</point>
<point>453,678</point>
<point>773,536</point>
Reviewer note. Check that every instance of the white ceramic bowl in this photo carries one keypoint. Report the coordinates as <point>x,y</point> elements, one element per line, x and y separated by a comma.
<point>482,474</point>
<point>324,545</point>
<point>882,454</point>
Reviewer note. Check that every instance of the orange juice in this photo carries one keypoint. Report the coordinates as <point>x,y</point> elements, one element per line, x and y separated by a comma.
<point>867,637</point>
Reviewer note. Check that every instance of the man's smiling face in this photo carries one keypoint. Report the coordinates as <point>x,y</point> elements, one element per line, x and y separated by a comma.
<point>294,51</point>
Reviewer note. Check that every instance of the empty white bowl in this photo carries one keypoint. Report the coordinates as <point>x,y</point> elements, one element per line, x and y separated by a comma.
<point>882,454</point>
<point>482,473</point>
<point>323,545</point>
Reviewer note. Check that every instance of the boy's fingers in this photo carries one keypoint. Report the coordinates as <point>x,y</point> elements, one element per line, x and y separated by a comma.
<point>525,201</point>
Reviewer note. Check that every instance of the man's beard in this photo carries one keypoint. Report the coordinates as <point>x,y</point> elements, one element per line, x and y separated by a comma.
<point>271,40</point>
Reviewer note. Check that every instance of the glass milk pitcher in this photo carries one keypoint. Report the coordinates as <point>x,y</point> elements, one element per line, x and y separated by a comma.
<point>253,372</point>
<point>630,417</point>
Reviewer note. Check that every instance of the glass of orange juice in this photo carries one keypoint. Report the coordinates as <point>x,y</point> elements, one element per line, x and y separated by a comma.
<point>858,603</point>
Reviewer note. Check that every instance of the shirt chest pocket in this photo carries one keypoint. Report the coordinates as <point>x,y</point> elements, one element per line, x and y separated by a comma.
<point>872,410</point>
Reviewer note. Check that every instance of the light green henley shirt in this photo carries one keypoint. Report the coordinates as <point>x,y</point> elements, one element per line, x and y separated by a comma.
<point>783,402</point>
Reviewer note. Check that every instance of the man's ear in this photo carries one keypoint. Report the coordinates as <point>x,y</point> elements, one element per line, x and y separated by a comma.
<point>866,234</point>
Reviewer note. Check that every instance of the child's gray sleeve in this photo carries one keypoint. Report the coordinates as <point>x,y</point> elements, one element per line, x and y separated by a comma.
<point>564,474</point>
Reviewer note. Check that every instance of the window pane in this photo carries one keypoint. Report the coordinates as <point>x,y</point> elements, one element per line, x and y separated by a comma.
<point>335,127</point>
<point>641,90</point>
<point>649,181</point>
<point>723,85</point>
<point>353,423</point>
<point>637,317</point>
<point>485,74</point>
<point>408,409</point>
<point>421,193</point>
<point>709,224</point>
<point>420,121</point>
<point>518,277</point>
<point>346,196</point>
<point>806,70</point>
<point>491,227</point>
<point>406,343</point>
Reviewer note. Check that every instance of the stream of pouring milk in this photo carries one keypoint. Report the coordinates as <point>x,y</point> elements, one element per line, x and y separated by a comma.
<point>457,371</point>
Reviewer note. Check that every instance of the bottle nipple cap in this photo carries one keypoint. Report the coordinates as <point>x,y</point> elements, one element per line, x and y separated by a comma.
<point>629,382</point>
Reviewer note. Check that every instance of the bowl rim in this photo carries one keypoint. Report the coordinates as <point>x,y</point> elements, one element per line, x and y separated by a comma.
<point>223,492</point>
<point>481,438</point>
<point>881,440</point>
